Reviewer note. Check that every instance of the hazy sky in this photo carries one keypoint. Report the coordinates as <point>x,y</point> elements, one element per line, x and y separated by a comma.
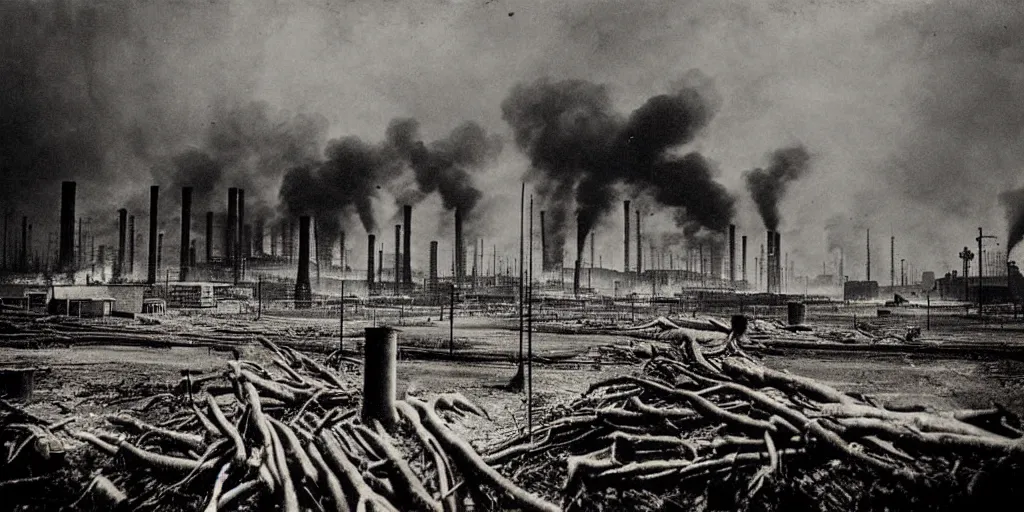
<point>910,110</point>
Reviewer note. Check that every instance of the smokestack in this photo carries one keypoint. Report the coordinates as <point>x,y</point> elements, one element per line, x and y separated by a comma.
<point>433,267</point>
<point>625,204</point>
<point>580,241</point>
<point>743,255</point>
<point>240,234</point>
<point>101,257</point>
<point>229,230</point>
<point>639,246</point>
<point>154,195</point>
<point>398,257</point>
<point>303,290</point>
<point>732,253</point>
<point>209,236</point>
<point>159,250</point>
<point>460,253</point>
<point>122,232</point>
<point>131,246</point>
<point>892,261</point>
<point>186,232</point>
<point>778,262</point>
<point>770,267</point>
<point>66,248</point>
<point>78,259</point>
<point>239,250</point>
<point>407,247</point>
<point>868,266</point>
<point>23,261</point>
<point>370,246</point>
<point>544,263</point>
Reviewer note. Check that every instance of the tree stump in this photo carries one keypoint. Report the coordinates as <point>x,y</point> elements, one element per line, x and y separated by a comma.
<point>379,378</point>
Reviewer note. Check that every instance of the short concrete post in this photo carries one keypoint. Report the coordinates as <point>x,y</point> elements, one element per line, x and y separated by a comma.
<point>379,377</point>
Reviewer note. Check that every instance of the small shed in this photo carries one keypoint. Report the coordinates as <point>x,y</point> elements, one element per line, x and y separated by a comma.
<point>83,301</point>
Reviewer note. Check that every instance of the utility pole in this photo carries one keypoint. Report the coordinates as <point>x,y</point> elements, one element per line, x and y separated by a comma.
<point>529,328</point>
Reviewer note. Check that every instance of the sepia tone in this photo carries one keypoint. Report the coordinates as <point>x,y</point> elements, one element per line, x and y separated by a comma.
<point>654,255</point>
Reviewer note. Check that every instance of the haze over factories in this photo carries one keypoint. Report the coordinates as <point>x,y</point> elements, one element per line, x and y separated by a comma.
<point>902,117</point>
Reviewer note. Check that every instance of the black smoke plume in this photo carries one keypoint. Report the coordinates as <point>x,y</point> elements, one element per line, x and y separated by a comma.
<point>445,166</point>
<point>107,93</point>
<point>1013,201</point>
<point>354,173</point>
<point>346,181</point>
<point>578,145</point>
<point>768,186</point>
<point>250,147</point>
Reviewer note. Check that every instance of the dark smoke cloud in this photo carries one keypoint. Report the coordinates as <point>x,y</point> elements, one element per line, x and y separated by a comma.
<point>445,166</point>
<point>250,147</point>
<point>1013,201</point>
<point>354,173</point>
<point>345,182</point>
<point>579,145</point>
<point>768,186</point>
<point>107,93</point>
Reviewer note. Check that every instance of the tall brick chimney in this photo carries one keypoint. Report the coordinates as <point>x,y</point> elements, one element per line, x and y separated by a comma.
<point>626,259</point>
<point>66,248</point>
<point>186,233</point>
<point>460,251</point>
<point>122,233</point>
<point>406,247</point>
<point>154,195</point>
<point>303,290</point>
<point>131,246</point>
<point>433,267</point>
<point>732,254</point>
<point>230,230</point>
<point>398,258</point>
<point>370,268</point>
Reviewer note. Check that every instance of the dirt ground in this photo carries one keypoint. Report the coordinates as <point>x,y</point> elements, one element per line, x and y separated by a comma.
<point>84,379</point>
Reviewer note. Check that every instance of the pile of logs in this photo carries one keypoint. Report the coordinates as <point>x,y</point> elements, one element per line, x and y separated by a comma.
<point>707,430</point>
<point>293,436</point>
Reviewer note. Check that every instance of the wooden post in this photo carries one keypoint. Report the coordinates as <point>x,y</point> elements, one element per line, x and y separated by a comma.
<point>379,379</point>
